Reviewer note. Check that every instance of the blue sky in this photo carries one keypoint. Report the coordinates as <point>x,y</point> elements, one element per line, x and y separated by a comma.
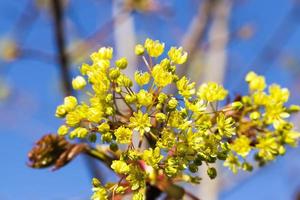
<point>28,113</point>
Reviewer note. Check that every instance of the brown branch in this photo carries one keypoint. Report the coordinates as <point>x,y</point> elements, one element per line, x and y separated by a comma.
<point>64,67</point>
<point>61,46</point>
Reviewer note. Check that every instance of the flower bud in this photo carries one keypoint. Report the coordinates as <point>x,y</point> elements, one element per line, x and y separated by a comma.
<point>114,147</point>
<point>247,167</point>
<point>70,103</point>
<point>96,183</point>
<point>114,73</point>
<point>78,83</point>
<point>104,127</point>
<point>118,89</point>
<point>109,111</point>
<point>106,137</point>
<point>139,50</point>
<point>293,108</point>
<point>84,69</point>
<point>63,130</point>
<point>212,172</point>
<point>193,168</point>
<point>172,103</point>
<point>122,63</point>
<point>237,105</point>
<point>254,115</point>
<point>130,98</point>
<point>81,132</point>
<point>160,117</point>
<point>61,111</point>
<point>109,98</point>
<point>142,78</point>
<point>162,97</point>
<point>105,53</point>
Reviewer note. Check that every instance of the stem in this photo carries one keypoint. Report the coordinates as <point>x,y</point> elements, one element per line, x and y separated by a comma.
<point>147,64</point>
<point>64,67</point>
<point>61,46</point>
<point>107,160</point>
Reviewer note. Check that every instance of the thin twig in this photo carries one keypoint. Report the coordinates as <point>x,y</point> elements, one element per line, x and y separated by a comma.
<point>64,68</point>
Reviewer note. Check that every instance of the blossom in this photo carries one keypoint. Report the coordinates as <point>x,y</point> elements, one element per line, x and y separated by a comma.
<point>142,78</point>
<point>123,135</point>
<point>241,145</point>
<point>144,98</point>
<point>177,55</point>
<point>161,76</point>
<point>78,83</point>
<point>225,125</point>
<point>140,122</point>
<point>255,82</point>
<point>154,48</point>
<point>212,92</point>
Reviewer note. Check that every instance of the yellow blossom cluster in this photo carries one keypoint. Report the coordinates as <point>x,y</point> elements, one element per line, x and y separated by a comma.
<point>167,136</point>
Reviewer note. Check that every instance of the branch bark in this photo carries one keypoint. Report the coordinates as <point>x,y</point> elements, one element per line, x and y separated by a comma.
<point>62,56</point>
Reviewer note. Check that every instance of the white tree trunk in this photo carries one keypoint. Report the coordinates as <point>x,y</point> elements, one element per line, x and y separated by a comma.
<point>215,60</point>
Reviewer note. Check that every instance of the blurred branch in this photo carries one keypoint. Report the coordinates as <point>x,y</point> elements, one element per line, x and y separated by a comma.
<point>197,27</point>
<point>61,46</point>
<point>26,19</point>
<point>275,44</point>
<point>64,62</point>
<point>195,33</point>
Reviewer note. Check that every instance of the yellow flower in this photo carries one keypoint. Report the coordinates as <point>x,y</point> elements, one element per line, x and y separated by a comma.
<point>184,88</point>
<point>160,117</point>
<point>275,113</point>
<point>104,53</point>
<point>70,103</point>
<point>232,162</point>
<point>172,104</point>
<point>154,48</point>
<point>79,133</point>
<point>114,73</point>
<point>139,49</point>
<point>63,130</point>
<point>212,92</point>
<point>123,135</point>
<point>278,94</point>
<point>152,156</point>
<point>122,63</point>
<point>123,80</point>
<point>95,113</point>
<point>225,125</point>
<point>78,83</point>
<point>255,82</point>
<point>241,145</point>
<point>120,167</point>
<point>142,78</point>
<point>61,111</point>
<point>144,98</point>
<point>140,122</point>
<point>72,118</point>
<point>104,127</point>
<point>268,147</point>
<point>161,76</point>
<point>177,55</point>
<point>84,69</point>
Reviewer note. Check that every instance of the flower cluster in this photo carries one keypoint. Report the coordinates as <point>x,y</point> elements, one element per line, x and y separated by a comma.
<point>160,138</point>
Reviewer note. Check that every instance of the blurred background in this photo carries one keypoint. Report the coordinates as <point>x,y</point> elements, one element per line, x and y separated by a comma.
<point>43,42</point>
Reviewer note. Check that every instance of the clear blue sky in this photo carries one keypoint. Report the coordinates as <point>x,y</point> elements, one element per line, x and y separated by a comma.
<point>35,93</point>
